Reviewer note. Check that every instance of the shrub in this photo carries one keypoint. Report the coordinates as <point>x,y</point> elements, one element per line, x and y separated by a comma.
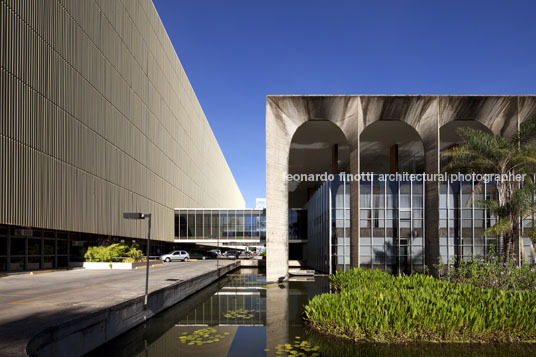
<point>490,271</point>
<point>134,252</point>
<point>108,253</point>
<point>373,306</point>
<point>98,254</point>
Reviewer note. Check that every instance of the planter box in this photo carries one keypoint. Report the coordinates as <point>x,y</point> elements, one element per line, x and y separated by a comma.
<point>106,265</point>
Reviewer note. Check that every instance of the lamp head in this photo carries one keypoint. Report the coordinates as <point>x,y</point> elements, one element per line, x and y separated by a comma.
<point>134,215</point>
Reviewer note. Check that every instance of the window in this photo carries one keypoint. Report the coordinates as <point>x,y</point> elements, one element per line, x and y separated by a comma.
<point>18,246</point>
<point>183,222</point>
<point>191,224</point>
<point>3,245</point>
<point>199,224</point>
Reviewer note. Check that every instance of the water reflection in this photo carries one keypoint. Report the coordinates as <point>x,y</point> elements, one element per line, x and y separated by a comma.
<point>241,316</point>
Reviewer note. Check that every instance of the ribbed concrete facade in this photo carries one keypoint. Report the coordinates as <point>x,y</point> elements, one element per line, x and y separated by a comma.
<point>98,118</point>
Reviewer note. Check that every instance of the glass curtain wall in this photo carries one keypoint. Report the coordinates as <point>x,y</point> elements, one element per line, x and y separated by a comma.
<point>392,225</point>
<point>220,224</point>
<point>528,234</point>
<point>340,223</point>
<point>297,224</point>
<point>328,227</point>
<point>317,250</point>
<point>462,222</point>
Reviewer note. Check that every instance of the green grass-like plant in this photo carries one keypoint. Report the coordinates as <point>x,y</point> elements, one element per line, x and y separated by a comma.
<point>108,253</point>
<point>373,306</point>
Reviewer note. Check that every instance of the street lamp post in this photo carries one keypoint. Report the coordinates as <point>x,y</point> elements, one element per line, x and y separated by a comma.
<point>137,215</point>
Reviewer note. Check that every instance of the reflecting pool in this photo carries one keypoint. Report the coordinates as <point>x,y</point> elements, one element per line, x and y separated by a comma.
<point>242,316</point>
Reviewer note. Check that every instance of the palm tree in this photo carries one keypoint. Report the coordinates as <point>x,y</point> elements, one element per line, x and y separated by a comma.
<point>485,153</point>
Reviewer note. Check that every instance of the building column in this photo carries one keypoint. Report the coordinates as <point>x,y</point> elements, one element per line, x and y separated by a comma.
<point>335,159</point>
<point>393,159</point>
<point>277,152</point>
<point>431,143</point>
<point>431,214</point>
<point>355,231</point>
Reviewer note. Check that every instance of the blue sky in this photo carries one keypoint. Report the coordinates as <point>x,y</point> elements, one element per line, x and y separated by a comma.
<point>237,52</point>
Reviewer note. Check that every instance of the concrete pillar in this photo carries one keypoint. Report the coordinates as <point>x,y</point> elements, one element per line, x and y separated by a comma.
<point>335,159</point>
<point>430,138</point>
<point>393,159</point>
<point>431,215</point>
<point>278,138</point>
<point>354,209</point>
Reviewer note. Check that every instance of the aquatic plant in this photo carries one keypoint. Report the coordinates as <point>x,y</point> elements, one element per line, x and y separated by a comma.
<point>239,314</point>
<point>202,336</point>
<point>299,348</point>
<point>370,305</point>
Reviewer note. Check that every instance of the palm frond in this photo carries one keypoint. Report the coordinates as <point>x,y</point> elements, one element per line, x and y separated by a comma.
<point>490,205</point>
<point>502,227</point>
<point>527,133</point>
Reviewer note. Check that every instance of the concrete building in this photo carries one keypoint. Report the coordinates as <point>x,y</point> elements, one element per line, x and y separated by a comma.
<point>98,118</point>
<point>397,225</point>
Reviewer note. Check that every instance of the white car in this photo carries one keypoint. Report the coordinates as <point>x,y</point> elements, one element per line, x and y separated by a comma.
<point>175,256</point>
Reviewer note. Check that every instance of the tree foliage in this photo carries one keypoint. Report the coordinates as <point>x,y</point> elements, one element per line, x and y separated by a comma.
<point>485,153</point>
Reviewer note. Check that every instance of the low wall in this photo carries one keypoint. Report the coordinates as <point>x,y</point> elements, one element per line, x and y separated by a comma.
<point>253,263</point>
<point>108,265</point>
<point>83,334</point>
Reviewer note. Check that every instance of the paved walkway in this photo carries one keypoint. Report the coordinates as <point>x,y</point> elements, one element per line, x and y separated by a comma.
<point>30,303</point>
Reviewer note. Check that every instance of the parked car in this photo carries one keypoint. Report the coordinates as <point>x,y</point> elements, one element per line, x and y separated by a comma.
<point>202,255</point>
<point>198,254</point>
<point>232,253</point>
<point>175,256</point>
<point>216,251</point>
<point>212,255</point>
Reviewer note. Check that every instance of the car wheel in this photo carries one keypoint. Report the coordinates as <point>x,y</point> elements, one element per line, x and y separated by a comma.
<point>167,260</point>
<point>185,260</point>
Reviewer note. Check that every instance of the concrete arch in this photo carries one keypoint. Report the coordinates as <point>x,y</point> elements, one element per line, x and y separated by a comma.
<point>317,146</point>
<point>448,133</point>
<point>499,114</point>
<point>284,115</point>
<point>389,146</point>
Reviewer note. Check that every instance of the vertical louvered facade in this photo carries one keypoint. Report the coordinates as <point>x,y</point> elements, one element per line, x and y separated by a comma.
<point>98,118</point>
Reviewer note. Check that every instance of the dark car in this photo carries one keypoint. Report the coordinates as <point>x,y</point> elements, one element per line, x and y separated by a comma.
<point>196,254</point>
<point>202,255</point>
<point>211,255</point>
<point>232,253</point>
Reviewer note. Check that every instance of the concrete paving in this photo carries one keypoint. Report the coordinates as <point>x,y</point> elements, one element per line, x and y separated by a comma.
<point>31,303</point>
